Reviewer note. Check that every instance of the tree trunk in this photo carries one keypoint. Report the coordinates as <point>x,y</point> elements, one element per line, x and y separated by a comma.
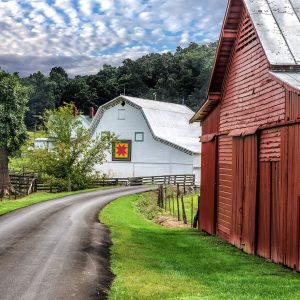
<point>69,184</point>
<point>5,186</point>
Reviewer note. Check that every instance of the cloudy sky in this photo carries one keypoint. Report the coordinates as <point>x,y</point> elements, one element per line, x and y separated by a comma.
<point>82,35</point>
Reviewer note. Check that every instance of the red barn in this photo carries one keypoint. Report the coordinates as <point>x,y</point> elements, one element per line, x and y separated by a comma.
<point>250,183</point>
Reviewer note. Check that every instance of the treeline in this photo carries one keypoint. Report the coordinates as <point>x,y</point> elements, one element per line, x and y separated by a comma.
<point>174,77</point>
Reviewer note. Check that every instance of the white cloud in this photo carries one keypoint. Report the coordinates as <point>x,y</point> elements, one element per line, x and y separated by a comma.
<point>94,32</point>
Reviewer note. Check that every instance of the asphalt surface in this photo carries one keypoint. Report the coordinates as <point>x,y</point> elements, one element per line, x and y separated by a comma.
<point>58,249</point>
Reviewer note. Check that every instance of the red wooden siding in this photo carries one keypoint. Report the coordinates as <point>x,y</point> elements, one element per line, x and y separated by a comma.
<point>244,192</point>
<point>256,205</point>
<point>251,97</point>
<point>211,123</point>
<point>224,187</point>
<point>237,191</point>
<point>270,204</point>
<point>249,193</point>
<point>208,187</point>
<point>264,211</point>
<point>292,106</point>
<point>270,145</point>
<point>293,194</point>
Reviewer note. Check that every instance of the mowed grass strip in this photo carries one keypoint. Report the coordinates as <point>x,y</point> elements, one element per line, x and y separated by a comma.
<point>7,206</point>
<point>152,262</point>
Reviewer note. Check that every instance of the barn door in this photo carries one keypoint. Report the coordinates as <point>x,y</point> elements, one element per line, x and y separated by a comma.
<point>244,192</point>
<point>208,187</point>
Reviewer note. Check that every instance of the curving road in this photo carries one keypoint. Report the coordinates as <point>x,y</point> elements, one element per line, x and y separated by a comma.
<point>57,249</point>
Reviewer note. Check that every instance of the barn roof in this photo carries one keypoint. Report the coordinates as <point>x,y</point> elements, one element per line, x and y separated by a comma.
<point>168,122</point>
<point>277,23</point>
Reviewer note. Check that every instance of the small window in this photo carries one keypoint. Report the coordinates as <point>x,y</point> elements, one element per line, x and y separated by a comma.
<point>121,114</point>
<point>139,136</point>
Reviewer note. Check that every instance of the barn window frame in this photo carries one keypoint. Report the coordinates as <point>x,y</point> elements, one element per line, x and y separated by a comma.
<point>136,138</point>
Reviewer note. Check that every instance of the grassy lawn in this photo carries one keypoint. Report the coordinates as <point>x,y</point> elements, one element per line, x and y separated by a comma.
<point>152,262</point>
<point>10,205</point>
<point>190,207</point>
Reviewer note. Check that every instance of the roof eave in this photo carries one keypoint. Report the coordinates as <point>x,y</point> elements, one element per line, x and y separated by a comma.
<point>212,101</point>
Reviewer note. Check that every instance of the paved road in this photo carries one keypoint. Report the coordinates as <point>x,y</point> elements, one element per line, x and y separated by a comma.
<point>57,249</point>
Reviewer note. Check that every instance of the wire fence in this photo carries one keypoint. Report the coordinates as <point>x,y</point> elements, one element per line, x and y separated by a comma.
<point>181,202</point>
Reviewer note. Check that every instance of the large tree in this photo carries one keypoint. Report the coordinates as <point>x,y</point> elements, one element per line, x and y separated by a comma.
<point>13,100</point>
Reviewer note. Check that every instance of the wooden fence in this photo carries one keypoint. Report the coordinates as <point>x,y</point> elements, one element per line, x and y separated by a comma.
<point>182,180</point>
<point>24,183</point>
<point>181,202</point>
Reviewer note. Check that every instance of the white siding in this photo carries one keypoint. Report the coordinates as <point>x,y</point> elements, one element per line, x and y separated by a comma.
<point>149,157</point>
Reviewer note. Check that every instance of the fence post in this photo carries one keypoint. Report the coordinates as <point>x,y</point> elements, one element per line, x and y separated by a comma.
<point>183,210</point>
<point>192,210</point>
<point>177,200</point>
<point>196,218</point>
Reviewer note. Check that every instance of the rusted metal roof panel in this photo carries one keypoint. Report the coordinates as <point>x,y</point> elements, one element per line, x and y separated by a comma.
<point>278,27</point>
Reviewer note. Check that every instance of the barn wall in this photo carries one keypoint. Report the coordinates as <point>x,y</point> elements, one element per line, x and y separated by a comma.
<point>258,176</point>
<point>211,123</point>
<point>251,97</point>
<point>292,106</point>
<point>207,216</point>
<point>224,208</point>
<point>167,160</point>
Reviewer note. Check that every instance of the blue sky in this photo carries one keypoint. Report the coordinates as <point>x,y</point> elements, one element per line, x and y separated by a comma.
<point>82,35</point>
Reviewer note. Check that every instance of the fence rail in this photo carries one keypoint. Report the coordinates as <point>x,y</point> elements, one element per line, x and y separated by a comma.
<point>26,183</point>
<point>23,183</point>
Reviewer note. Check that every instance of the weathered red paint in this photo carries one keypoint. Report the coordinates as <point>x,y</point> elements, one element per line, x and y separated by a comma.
<point>208,190</point>
<point>251,168</point>
<point>224,187</point>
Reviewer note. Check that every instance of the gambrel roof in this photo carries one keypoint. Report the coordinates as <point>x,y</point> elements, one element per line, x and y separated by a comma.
<point>168,122</point>
<point>277,24</point>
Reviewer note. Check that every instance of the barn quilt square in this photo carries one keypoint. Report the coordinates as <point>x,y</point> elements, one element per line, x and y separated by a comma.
<point>122,150</point>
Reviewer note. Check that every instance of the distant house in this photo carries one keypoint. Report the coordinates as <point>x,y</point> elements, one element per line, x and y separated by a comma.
<point>47,143</point>
<point>43,143</point>
<point>250,184</point>
<point>154,138</point>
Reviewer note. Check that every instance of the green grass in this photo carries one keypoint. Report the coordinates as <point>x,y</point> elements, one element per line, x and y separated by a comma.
<point>190,207</point>
<point>10,205</point>
<point>152,262</point>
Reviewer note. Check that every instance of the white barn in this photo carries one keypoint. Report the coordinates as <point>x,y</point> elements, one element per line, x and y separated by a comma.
<point>157,136</point>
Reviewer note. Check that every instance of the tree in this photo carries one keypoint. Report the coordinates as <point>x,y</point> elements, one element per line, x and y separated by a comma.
<point>74,154</point>
<point>59,77</point>
<point>13,100</point>
<point>42,97</point>
<point>80,93</point>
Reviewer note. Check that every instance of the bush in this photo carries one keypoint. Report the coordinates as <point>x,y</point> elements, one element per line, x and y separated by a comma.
<point>147,206</point>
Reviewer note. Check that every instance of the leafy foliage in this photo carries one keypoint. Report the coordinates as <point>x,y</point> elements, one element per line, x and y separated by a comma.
<point>13,101</point>
<point>173,77</point>
<point>70,163</point>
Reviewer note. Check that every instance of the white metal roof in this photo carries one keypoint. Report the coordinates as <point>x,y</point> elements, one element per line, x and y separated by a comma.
<point>277,23</point>
<point>290,78</point>
<point>168,122</point>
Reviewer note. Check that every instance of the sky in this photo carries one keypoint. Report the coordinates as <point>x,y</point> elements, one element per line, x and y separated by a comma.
<point>82,35</point>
